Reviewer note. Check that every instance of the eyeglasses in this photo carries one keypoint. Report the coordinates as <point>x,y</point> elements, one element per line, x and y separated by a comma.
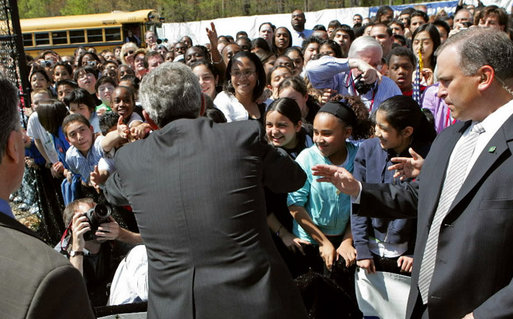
<point>128,53</point>
<point>245,73</point>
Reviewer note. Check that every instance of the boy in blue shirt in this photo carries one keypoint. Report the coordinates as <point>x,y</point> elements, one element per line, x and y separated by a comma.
<point>86,149</point>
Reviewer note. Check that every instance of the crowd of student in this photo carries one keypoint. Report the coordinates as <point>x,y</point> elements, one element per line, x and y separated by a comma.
<point>312,90</point>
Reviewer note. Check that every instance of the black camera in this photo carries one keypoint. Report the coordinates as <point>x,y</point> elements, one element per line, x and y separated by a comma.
<point>95,217</point>
<point>360,86</point>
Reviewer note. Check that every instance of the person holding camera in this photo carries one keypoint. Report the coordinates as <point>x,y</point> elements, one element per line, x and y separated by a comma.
<point>96,245</point>
<point>351,76</point>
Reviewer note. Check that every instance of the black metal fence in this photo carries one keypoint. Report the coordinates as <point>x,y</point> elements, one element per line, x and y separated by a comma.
<point>36,203</point>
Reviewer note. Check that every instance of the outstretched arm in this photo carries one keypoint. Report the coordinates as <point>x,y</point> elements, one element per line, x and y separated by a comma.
<point>339,177</point>
<point>377,200</point>
<point>112,139</point>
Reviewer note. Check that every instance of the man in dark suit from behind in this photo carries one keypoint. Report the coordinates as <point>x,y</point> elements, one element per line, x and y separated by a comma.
<point>196,188</point>
<point>37,282</point>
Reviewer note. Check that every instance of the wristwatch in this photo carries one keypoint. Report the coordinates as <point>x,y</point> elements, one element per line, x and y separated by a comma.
<point>74,253</point>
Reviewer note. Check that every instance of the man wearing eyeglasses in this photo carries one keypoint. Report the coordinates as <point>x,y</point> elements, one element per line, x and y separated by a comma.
<point>36,281</point>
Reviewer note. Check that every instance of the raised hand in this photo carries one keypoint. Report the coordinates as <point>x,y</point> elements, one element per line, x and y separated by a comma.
<point>212,34</point>
<point>407,167</point>
<point>123,130</point>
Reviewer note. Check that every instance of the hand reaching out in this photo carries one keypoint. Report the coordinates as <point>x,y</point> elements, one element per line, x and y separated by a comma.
<point>140,131</point>
<point>339,177</point>
<point>407,167</point>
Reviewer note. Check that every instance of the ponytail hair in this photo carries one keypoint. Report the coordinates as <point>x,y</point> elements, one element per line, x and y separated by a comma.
<point>345,113</point>
<point>402,111</point>
<point>363,127</point>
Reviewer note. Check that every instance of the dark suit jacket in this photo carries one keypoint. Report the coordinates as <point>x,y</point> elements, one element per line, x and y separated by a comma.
<point>37,282</point>
<point>474,265</point>
<point>196,189</point>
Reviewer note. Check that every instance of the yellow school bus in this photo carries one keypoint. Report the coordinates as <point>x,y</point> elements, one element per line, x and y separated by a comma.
<point>103,31</point>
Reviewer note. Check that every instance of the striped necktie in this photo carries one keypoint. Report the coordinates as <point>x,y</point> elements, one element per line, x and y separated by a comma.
<point>455,175</point>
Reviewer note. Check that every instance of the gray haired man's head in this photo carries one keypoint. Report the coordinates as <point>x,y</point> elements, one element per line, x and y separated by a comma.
<point>366,48</point>
<point>170,92</point>
<point>362,44</point>
<point>483,46</point>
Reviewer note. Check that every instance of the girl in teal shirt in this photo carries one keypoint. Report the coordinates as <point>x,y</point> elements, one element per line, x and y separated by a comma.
<point>321,213</point>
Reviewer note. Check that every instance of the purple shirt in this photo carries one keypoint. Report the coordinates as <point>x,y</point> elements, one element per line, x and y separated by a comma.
<point>437,106</point>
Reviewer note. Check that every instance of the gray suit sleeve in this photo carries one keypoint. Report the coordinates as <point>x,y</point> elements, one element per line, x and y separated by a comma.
<point>61,294</point>
<point>281,173</point>
<point>114,191</point>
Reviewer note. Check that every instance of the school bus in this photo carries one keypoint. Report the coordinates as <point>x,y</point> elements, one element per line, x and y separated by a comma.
<point>64,34</point>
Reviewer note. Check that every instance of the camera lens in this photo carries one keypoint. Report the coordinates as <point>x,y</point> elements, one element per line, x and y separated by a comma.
<point>102,211</point>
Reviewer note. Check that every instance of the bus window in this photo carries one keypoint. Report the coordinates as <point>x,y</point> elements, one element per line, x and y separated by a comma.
<point>42,38</point>
<point>59,37</point>
<point>112,34</point>
<point>76,36</point>
<point>94,35</point>
<point>27,40</point>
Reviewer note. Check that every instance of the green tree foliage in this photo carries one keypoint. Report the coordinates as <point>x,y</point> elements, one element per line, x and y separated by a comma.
<point>73,7</point>
<point>186,10</point>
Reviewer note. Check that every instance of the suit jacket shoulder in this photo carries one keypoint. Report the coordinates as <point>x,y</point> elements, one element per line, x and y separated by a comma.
<point>37,282</point>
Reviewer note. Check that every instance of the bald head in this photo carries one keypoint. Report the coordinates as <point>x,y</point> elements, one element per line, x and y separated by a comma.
<point>298,20</point>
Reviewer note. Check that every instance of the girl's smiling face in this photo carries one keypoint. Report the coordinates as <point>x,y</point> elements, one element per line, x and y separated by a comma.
<point>38,81</point>
<point>207,80</point>
<point>390,137</point>
<point>280,130</point>
<point>330,135</point>
<point>122,102</point>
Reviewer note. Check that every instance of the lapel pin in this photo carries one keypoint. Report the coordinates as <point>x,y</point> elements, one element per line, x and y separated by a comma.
<point>492,149</point>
